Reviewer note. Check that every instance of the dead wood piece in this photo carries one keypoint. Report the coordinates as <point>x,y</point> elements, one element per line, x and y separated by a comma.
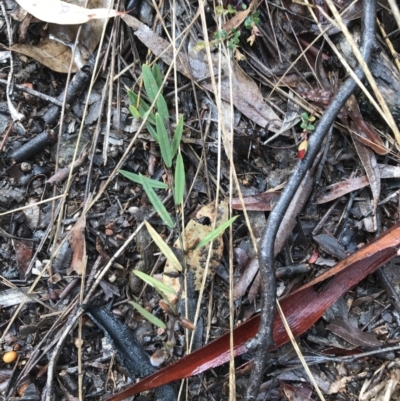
<point>34,146</point>
<point>129,352</point>
<point>75,88</point>
<point>35,93</point>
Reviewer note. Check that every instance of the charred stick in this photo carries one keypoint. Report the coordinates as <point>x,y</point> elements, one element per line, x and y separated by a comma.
<point>128,351</point>
<point>77,85</point>
<point>35,93</point>
<point>34,146</point>
<point>263,340</point>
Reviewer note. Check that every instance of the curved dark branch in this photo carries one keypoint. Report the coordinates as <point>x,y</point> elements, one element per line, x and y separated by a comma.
<point>266,250</point>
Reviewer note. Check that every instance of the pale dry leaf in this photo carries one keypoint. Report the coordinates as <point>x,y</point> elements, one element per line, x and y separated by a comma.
<point>60,12</point>
<point>49,53</point>
<point>196,258</point>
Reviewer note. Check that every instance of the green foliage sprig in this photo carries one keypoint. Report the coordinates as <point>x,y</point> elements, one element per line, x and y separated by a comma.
<point>157,125</point>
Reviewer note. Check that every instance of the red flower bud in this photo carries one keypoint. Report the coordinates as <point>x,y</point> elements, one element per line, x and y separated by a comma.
<point>302,149</point>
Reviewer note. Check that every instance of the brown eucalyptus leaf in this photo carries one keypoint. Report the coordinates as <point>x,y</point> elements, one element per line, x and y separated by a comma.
<point>259,202</point>
<point>363,132</point>
<point>368,160</point>
<point>352,334</point>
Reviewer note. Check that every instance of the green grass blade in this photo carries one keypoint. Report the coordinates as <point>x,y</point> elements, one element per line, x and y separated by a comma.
<point>158,285</point>
<point>164,248</point>
<point>162,108</point>
<point>216,233</point>
<point>133,98</point>
<point>135,112</point>
<point>176,140</point>
<point>148,316</point>
<point>163,140</point>
<point>151,87</point>
<point>150,84</point>
<point>156,202</point>
<point>152,131</point>
<point>151,119</point>
<point>179,180</point>
<point>138,179</point>
<point>157,75</point>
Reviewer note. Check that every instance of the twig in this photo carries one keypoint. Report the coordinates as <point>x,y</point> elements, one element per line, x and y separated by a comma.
<point>15,114</point>
<point>35,93</point>
<point>264,337</point>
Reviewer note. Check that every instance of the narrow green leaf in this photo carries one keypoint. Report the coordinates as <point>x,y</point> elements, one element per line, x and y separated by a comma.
<point>152,117</point>
<point>150,84</point>
<point>176,140</point>
<point>179,180</point>
<point>135,112</point>
<point>216,233</point>
<point>157,75</point>
<point>148,316</point>
<point>163,140</point>
<point>151,87</point>
<point>164,248</point>
<point>152,131</point>
<point>157,204</point>
<point>162,108</point>
<point>157,284</point>
<point>138,178</point>
<point>133,97</point>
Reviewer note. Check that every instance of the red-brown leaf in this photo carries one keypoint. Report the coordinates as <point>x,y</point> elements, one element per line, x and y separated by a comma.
<point>302,309</point>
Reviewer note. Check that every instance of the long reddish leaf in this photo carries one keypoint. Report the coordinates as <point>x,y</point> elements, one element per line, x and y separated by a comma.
<point>302,309</point>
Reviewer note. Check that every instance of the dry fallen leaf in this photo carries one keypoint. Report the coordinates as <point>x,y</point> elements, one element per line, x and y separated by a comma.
<point>237,19</point>
<point>60,12</point>
<point>55,50</point>
<point>196,258</point>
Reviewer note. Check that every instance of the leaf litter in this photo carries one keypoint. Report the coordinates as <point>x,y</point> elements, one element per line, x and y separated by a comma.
<point>102,240</point>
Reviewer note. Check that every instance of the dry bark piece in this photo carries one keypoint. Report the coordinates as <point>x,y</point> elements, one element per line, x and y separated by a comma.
<point>331,245</point>
<point>78,245</point>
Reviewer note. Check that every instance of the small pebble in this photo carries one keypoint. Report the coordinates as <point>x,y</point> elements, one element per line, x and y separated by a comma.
<point>10,357</point>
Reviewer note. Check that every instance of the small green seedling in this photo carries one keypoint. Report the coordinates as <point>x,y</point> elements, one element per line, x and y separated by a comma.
<point>307,122</point>
<point>158,122</point>
<point>308,127</point>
